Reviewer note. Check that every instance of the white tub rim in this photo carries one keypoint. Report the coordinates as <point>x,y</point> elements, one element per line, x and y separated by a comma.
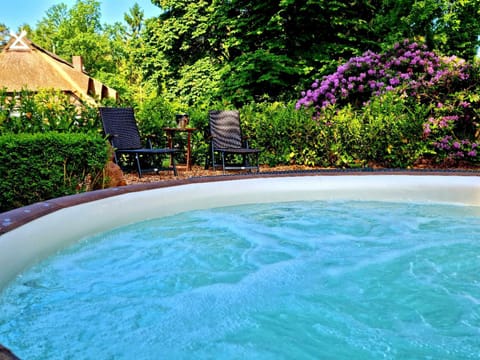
<point>20,246</point>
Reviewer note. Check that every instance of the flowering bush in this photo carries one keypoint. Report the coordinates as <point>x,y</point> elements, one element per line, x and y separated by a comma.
<point>452,129</point>
<point>448,85</point>
<point>408,66</point>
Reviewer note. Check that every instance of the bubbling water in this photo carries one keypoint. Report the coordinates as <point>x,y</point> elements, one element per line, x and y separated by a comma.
<point>323,279</point>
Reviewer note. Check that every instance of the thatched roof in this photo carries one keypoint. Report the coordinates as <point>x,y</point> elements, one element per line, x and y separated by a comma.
<point>25,65</point>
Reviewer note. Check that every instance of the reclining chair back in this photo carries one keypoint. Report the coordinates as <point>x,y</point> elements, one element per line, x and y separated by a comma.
<point>120,125</point>
<point>225,129</point>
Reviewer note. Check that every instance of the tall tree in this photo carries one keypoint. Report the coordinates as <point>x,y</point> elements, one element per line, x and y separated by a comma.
<point>76,31</point>
<point>258,48</point>
<point>110,51</point>
<point>3,35</point>
<point>127,51</point>
<point>457,28</point>
<point>449,26</point>
<point>244,50</point>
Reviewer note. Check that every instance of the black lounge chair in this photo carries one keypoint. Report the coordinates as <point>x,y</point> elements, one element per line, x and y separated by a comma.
<point>226,139</point>
<point>121,129</point>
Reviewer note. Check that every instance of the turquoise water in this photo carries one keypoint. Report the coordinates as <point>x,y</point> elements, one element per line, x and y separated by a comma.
<point>300,280</point>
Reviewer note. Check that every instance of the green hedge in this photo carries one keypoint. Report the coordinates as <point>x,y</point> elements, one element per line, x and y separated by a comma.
<point>38,167</point>
<point>387,132</point>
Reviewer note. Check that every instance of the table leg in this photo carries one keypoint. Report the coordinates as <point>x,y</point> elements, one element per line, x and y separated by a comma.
<point>170,145</point>
<point>189,160</point>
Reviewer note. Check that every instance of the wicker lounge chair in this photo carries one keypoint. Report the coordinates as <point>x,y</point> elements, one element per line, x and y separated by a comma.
<point>121,128</point>
<point>226,140</point>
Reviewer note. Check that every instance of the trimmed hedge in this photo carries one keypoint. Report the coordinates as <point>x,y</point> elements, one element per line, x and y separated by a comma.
<point>42,166</point>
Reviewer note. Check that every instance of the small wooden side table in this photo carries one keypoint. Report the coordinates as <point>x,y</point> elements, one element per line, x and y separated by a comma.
<point>170,131</point>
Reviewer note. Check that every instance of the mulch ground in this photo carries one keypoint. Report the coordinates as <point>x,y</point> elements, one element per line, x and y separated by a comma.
<point>199,171</point>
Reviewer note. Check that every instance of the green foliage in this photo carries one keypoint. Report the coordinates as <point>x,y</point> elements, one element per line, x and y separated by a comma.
<point>127,51</point>
<point>257,56</point>
<point>386,132</point>
<point>38,167</point>
<point>3,35</point>
<point>453,125</point>
<point>256,76</point>
<point>157,113</point>
<point>286,136</point>
<point>261,49</point>
<point>197,83</point>
<point>75,31</point>
<point>200,141</point>
<point>450,27</point>
<point>153,115</point>
<point>266,50</point>
<point>46,110</point>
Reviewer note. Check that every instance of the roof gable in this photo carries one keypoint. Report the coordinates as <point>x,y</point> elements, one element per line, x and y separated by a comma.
<point>18,43</point>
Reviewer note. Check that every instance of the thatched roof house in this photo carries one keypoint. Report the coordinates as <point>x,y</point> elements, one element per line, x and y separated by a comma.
<point>25,65</point>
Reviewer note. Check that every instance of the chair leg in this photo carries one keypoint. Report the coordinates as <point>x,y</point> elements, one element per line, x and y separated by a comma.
<point>223,162</point>
<point>174,166</point>
<point>245,160</point>
<point>139,169</point>
<point>207,160</point>
<point>115,158</point>
<point>208,157</point>
<point>213,159</point>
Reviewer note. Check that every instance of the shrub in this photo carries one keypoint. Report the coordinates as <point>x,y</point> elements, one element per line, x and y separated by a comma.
<point>157,113</point>
<point>38,167</point>
<point>387,132</point>
<point>46,110</point>
<point>153,115</point>
<point>200,138</point>
<point>408,67</point>
<point>286,136</point>
<point>442,92</point>
<point>452,127</point>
